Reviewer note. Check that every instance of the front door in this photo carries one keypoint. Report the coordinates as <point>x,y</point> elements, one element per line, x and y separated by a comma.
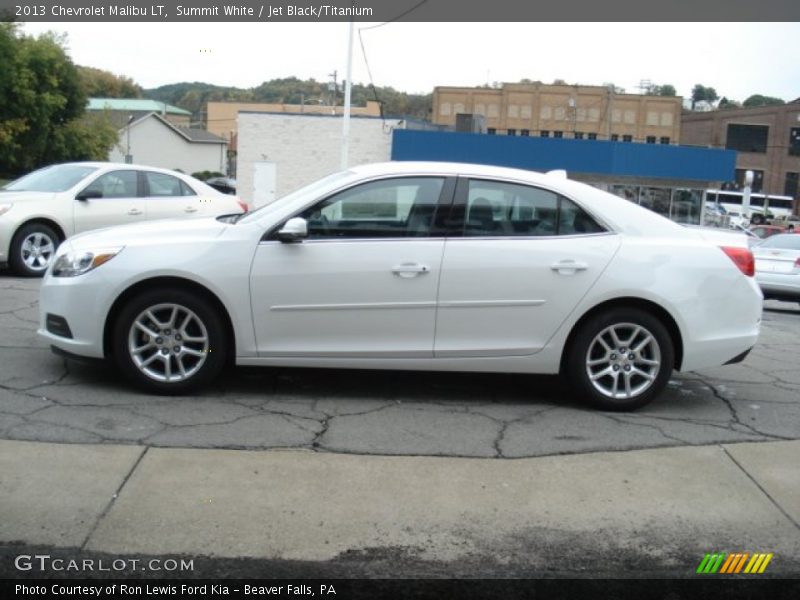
<point>364,282</point>
<point>119,202</point>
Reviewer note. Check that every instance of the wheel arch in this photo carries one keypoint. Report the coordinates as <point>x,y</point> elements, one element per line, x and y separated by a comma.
<point>629,302</point>
<point>52,224</point>
<point>173,282</point>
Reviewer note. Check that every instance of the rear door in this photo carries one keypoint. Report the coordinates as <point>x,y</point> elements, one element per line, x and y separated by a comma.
<point>520,260</point>
<point>168,197</point>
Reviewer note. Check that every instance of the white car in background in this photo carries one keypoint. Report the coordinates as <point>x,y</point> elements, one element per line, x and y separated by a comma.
<point>42,209</point>
<point>417,266</point>
<point>778,267</point>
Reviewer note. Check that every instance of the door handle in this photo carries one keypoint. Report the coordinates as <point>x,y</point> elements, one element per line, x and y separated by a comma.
<point>134,211</point>
<point>569,266</point>
<point>190,209</point>
<point>408,270</point>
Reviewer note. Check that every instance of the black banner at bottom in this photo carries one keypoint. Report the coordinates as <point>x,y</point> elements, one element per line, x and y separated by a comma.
<point>439,589</point>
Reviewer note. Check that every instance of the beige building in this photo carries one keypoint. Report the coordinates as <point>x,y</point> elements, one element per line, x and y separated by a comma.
<point>221,116</point>
<point>766,140</point>
<point>564,111</point>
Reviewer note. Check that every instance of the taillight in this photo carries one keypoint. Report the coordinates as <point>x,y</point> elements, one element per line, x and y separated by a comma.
<point>243,205</point>
<point>743,259</point>
<point>797,263</point>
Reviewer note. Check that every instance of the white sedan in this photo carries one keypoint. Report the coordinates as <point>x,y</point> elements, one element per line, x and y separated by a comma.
<point>41,209</point>
<point>420,266</point>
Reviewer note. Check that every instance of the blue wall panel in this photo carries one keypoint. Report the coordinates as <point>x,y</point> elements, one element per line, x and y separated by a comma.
<point>580,156</point>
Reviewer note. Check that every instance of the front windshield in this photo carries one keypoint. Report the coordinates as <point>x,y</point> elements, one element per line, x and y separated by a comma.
<point>311,189</point>
<point>57,178</point>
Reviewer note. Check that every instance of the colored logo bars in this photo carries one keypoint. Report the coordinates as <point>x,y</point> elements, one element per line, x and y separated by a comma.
<point>737,562</point>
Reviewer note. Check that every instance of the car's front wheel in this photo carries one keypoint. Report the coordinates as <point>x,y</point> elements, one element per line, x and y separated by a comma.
<point>32,249</point>
<point>169,341</point>
<point>620,359</point>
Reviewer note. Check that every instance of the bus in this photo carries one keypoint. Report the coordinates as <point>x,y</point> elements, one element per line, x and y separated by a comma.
<point>762,206</point>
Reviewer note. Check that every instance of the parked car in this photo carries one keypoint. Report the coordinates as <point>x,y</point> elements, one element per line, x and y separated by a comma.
<point>41,209</point>
<point>417,266</point>
<point>778,267</point>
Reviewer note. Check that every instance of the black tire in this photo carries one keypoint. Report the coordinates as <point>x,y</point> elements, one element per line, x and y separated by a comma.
<point>33,249</point>
<point>598,368</point>
<point>175,371</point>
<point>757,220</point>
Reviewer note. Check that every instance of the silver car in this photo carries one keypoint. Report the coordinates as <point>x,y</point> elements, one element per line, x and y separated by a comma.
<point>778,267</point>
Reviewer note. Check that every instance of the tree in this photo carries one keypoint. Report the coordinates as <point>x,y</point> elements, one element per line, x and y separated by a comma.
<point>42,102</point>
<point>727,103</point>
<point>661,90</point>
<point>98,83</point>
<point>701,93</point>
<point>759,100</point>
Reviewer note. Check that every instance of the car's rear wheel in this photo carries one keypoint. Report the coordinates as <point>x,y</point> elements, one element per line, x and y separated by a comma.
<point>169,341</point>
<point>620,359</point>
<point>32,249</point>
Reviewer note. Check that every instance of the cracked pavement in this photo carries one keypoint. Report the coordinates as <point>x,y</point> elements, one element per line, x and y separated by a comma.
<point>45,398</point>
<point>395,474</point>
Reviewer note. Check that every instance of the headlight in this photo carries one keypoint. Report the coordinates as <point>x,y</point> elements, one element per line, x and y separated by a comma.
<point>5,207</point>
<point>77,262</point>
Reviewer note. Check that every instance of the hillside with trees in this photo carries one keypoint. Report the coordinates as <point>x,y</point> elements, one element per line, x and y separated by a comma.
<point>290,90</point>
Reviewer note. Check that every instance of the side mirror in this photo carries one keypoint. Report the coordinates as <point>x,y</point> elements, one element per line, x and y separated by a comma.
<point>294,230</point>
<point>89,195</point>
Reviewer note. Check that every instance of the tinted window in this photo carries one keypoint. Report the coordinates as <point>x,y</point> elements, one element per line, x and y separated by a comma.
<point>379,209</point>
<point>747,138</point>
<point>160,184</point>
<point>507,209</point>
<point>116,184</point>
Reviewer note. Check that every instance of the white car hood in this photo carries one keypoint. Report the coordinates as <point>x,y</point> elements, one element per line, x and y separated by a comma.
<point>153,232</point>
<point>16,197</point>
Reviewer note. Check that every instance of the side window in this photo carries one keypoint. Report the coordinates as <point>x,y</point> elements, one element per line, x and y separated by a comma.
<point>389,208</point>
<point>160,184</point>
<point>186,190</point>
<point>116,184</point>
<point>510,210</point>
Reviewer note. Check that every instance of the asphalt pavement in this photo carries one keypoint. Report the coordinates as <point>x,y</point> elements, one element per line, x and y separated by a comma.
<point>390,474</point>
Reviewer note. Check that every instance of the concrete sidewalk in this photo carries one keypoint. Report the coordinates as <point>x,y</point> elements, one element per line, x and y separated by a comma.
<point>655,511</point>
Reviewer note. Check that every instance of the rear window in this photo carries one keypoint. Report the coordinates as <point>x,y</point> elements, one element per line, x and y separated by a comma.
<point>786,241</point>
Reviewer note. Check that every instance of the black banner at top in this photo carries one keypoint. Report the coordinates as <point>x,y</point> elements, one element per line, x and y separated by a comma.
<point>398,10</point>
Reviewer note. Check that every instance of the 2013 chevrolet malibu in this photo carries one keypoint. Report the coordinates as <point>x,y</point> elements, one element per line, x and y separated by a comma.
<point>420,266</point>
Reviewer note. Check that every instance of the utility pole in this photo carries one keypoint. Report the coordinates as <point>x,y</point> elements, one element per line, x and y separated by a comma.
<point>347,90</point>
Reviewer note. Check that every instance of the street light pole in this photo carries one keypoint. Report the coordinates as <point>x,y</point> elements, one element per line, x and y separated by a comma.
<point>128,157</point>
<point>347,90</point>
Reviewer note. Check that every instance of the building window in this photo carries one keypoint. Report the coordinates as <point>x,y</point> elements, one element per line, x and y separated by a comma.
<point>651,139</point>
<point>561,113</point>
<point>664,140</point>
<point>614,137</point>
<point>627,138</point>
<point>558,134</point>
<point>444,109</point>
<point>747,138</point>
<point>544,133</point>
<point>546,113</point>
<point>790,187</point>
<point>630,117</point>
<point>578,135</point>
<point>592,136</point>
<point>525,132</point>
<point>652,118</point>
<point>513,111</point>
<point>525,112</point>
<point>511,132</point>
<point>794,141</point>
<point>494,111</point>
<point>758,179</point>
<point>491,131</point>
